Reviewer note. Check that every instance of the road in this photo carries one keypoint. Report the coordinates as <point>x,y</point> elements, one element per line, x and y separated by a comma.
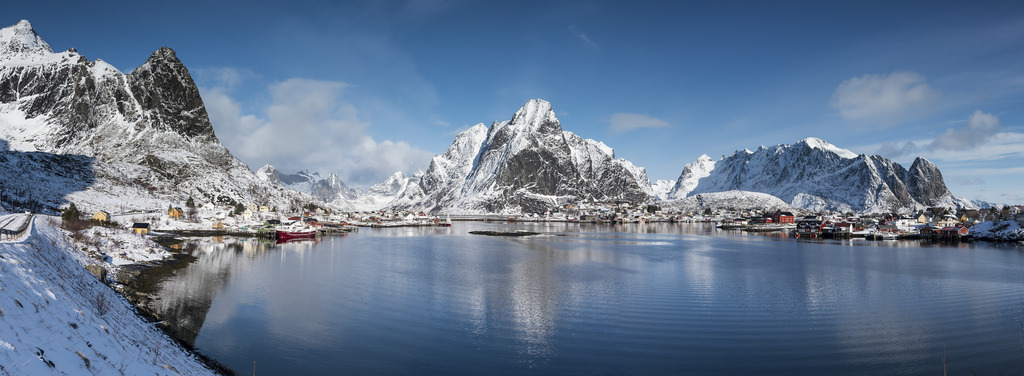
<point>12,225</point>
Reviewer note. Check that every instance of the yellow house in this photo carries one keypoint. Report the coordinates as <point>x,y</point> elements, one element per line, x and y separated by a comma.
<point>218,226</point>
<point>101,216</point>
<point>140,228</point>
<point>175,213</point>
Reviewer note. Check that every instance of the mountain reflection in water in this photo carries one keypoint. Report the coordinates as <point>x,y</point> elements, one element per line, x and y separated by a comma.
<point>651,299</point>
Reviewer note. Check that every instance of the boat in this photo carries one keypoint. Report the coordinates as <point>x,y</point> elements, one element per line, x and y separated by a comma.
<point>304,233</point>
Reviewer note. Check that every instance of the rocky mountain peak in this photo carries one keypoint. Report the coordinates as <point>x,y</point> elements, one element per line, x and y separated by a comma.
<point>269,174</point>
<point>924,180</point>
<point>526,164</point>
<point>390,186</point>
<point>817,143</point>
<point>537,114</point>
<point>20,40</point>
<point>691,175</point>
<point>165,91</point>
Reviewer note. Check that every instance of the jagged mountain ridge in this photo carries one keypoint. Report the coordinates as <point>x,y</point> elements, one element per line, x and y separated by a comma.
<point>147,134</point>
<point>526,164</point>
<point>323,189</point>
<point>813,174</point>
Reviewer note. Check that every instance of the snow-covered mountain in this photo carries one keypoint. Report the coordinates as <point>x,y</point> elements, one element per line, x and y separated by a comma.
<point>526,164</point>
<point>692,173</point>
<point>661,189</point>
<point>138,140</point>
<point>323,189</point>
<point>336,195</point>
<point>813,174</point>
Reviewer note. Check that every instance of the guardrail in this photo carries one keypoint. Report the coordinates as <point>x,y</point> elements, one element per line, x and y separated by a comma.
<point>14,225</point>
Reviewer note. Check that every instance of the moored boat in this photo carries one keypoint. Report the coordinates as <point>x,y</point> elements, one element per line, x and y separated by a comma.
<point>296,234</point>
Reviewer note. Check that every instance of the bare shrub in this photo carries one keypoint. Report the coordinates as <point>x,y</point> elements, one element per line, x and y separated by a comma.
<point>84,359</point>
<point>101,304</point>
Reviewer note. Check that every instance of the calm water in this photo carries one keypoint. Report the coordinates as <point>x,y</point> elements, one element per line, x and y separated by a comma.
<point>589,299</point>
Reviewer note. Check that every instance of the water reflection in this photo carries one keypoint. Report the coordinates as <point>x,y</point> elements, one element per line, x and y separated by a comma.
<point>659,298</point>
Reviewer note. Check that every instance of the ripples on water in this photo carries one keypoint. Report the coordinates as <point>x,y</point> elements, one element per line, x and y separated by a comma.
<point>654,299</point>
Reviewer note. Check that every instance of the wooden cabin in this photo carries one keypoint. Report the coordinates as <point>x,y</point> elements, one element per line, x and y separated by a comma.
<point>808,228</point>
<point>175,213</point>
<point>953,232</point>
<point>783,217</point>
<point>140,228</point>
<point>101,216</point>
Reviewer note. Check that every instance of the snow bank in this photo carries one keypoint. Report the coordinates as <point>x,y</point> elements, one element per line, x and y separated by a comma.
<point>998,230</point>
<point>57,318</point>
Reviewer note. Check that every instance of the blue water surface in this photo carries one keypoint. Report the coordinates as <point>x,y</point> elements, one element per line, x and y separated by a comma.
<point>598,299</point>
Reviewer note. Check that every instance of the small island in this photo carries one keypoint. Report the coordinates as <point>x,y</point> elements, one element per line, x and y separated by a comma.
<point>505,233</point>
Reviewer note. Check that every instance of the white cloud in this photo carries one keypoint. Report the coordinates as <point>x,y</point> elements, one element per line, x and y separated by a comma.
<point>309,125</point>
<point>979,130</point>
<point>895,149</point>
<point>624,122</point>
<point>223,77</point>
<point>1003,146</point>
<point>884,97</point>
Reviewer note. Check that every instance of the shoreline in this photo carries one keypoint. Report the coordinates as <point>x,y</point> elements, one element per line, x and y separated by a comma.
<point>60,318</point>
<point>131,292</point>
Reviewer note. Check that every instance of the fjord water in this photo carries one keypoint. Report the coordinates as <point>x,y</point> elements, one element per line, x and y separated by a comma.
<point>598,299</point>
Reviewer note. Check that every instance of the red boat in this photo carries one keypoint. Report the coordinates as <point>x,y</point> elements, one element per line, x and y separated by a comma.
<point>301,234</point>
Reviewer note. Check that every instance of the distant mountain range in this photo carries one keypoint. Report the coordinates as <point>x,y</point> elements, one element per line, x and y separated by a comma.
<point>72,129</point>
<point>529,164</point>
<point>813,174</point>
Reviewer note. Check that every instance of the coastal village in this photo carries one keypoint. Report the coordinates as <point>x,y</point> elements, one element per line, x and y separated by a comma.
<point>260,220</point>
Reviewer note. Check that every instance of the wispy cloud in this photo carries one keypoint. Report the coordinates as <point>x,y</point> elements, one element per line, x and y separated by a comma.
<point>228,78</point>
<point>1000,146</point>
<point>309,125</point>
<point>897,149</point>
<point>582,36</point>
<point>979,129</point>
<point>625,122</point>
<point>885,97</point>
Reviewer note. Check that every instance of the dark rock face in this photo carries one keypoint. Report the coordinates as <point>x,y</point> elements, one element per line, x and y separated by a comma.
<point>924,182</point>
<point>167,94</point>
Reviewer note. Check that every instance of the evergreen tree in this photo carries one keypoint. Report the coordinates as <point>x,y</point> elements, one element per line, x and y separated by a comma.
<point>71,213</point>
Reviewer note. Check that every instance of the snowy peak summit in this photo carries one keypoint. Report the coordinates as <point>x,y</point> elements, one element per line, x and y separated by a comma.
<point>817,143</point>
<point>537,114</point>
<point>21,40</point>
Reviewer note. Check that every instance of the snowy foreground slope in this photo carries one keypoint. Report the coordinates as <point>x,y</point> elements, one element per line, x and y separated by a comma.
<point>57,318</point>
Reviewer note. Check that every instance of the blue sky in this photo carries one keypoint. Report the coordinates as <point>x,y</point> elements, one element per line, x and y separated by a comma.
<point>367,88</point>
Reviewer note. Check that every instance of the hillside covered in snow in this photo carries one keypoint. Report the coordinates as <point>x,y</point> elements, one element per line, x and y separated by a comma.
<point>79,130</point>
<point>57,318</point>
